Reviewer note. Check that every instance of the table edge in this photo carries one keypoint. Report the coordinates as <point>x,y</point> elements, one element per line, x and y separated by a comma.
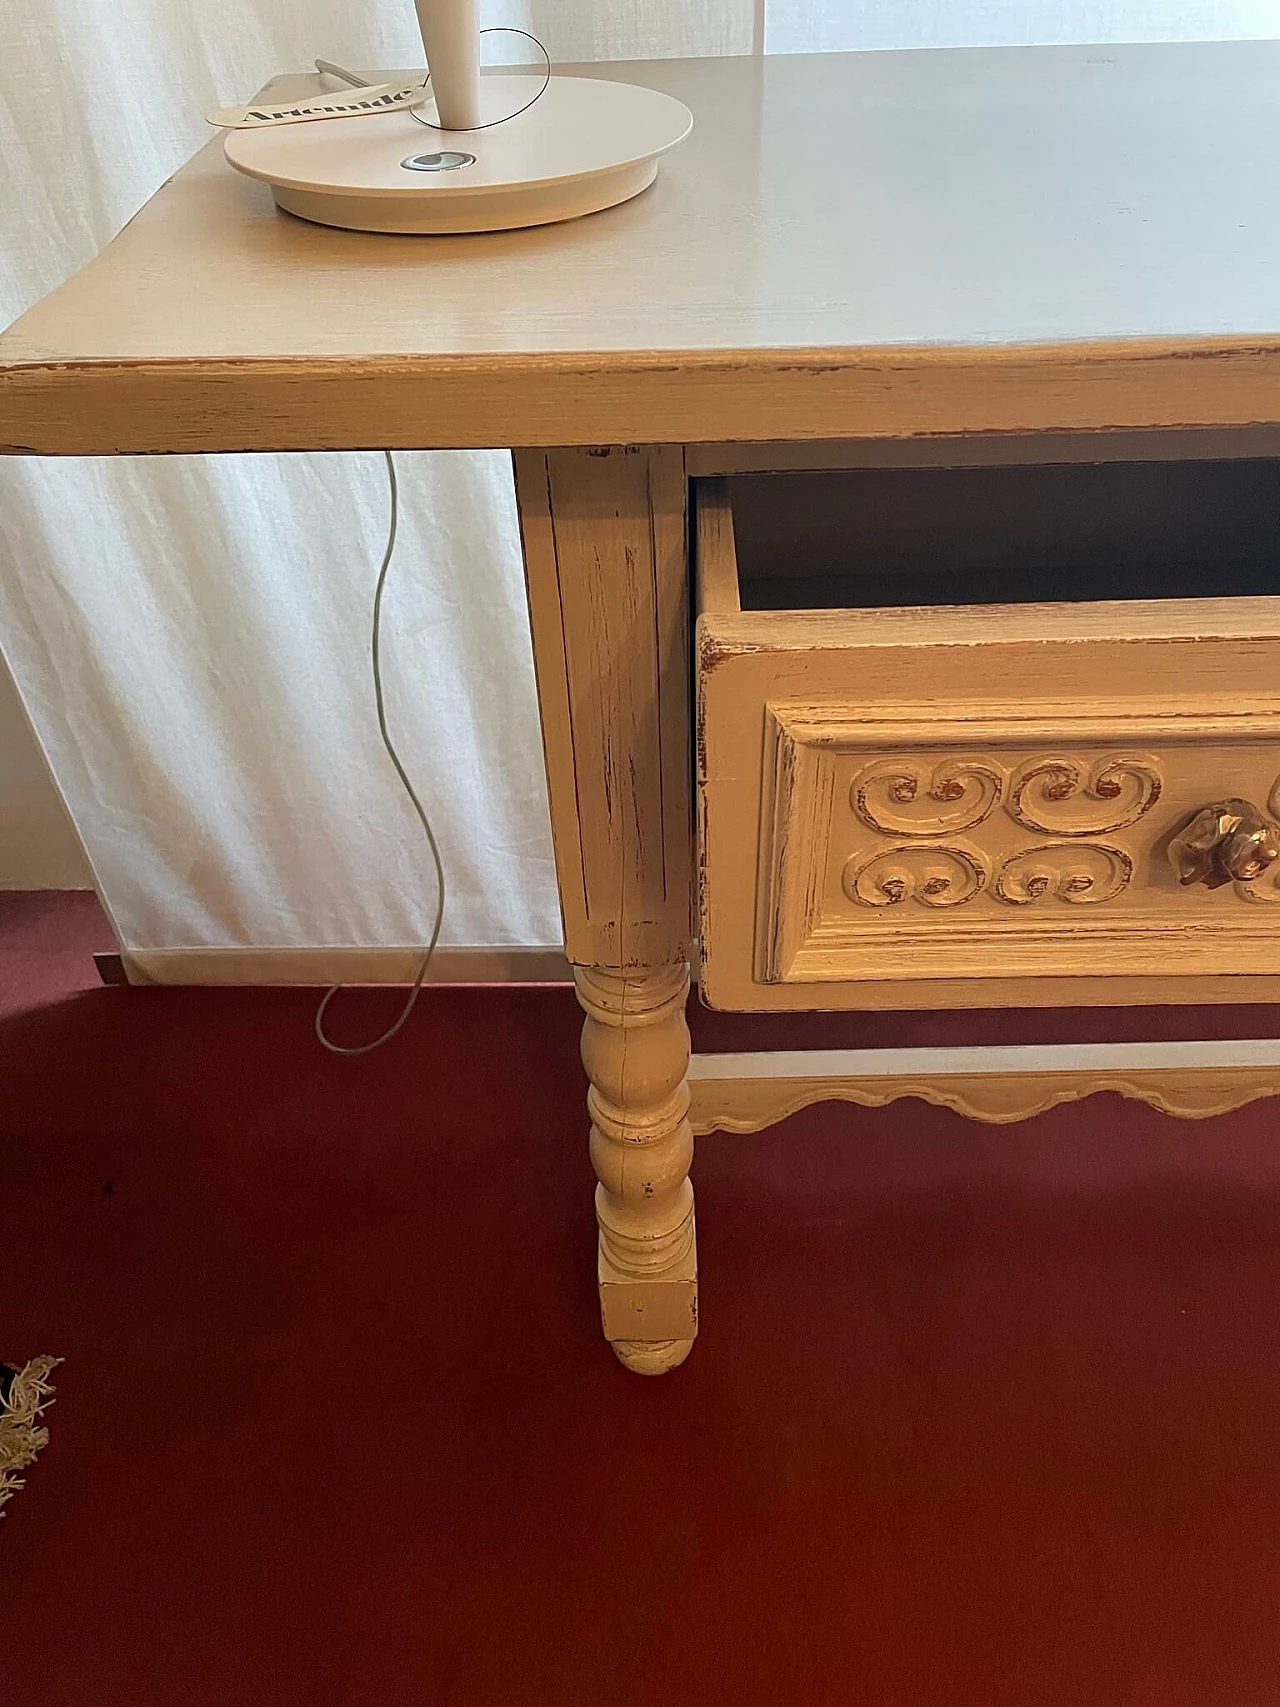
<point>139,406</point>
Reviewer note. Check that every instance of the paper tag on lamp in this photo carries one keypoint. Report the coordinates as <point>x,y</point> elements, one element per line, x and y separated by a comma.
<point>382,98</point>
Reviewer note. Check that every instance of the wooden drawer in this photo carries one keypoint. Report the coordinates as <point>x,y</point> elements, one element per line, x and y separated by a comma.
<point>944,804</point>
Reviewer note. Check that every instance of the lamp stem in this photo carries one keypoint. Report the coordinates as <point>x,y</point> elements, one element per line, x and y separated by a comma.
<point>451,38</point>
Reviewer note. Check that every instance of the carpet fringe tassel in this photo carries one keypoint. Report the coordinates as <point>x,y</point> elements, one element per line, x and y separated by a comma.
<point>24,1394</point>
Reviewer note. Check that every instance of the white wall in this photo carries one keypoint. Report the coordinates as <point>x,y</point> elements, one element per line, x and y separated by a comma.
<point>38,848</point>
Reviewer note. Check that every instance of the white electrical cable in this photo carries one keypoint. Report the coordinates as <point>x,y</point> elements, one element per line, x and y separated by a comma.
<point>389,744</point>
<point>352,79</point>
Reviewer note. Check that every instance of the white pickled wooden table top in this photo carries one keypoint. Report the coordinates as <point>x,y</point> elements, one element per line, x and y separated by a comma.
<point>849,244</point>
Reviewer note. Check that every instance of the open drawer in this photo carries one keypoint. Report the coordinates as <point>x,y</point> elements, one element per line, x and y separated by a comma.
<point>911,795</point>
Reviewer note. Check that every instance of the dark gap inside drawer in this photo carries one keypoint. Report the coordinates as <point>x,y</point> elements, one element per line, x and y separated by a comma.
<point>1007,535</point>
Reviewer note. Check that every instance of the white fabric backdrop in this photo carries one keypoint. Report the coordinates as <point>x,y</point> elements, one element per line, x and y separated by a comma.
<point>796,26</point>
<point>190,635</point>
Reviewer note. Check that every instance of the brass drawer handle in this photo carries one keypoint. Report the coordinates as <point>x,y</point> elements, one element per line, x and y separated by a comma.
<point>1230,842</point>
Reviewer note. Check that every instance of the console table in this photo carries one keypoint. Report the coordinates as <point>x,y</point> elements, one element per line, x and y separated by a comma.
<point>899,482</point>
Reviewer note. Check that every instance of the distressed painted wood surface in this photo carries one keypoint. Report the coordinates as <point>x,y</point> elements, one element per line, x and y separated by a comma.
<point>1046,239</point>
<point>990,1082</point>
<point>635,1047</point>
<point>749,1104</point>
<point>606,560</point>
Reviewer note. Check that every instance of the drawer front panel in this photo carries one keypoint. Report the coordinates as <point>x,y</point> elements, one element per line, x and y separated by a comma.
<point>976,806</point>
<point>1036,844</point>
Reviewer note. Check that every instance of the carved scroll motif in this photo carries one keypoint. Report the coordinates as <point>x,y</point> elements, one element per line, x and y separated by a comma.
<point>1048,795</point>
<point>1082,874</point>
<point>933,875</point>
<point>948,797</point>
<point>1054,796</point>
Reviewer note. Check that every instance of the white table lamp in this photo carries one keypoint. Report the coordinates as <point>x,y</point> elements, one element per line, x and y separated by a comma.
<point>486,152</point>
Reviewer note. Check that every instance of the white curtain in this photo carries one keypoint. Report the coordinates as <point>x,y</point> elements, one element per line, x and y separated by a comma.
<point>190,635</point>
<point>794,26</point>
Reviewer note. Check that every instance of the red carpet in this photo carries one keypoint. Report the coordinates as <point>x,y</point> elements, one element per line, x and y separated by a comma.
<point>980,1415</point>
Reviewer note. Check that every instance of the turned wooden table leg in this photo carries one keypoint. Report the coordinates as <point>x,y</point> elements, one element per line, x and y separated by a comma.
<point>606,557</point>
<point>635,1046</point>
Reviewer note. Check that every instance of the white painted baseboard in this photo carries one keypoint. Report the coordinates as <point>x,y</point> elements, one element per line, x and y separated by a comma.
<point>325,966</point>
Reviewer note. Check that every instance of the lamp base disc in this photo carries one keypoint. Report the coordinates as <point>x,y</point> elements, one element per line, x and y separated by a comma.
<point>582,145</point>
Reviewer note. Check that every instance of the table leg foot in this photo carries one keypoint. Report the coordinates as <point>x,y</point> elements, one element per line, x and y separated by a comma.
<point>651,1357</point>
